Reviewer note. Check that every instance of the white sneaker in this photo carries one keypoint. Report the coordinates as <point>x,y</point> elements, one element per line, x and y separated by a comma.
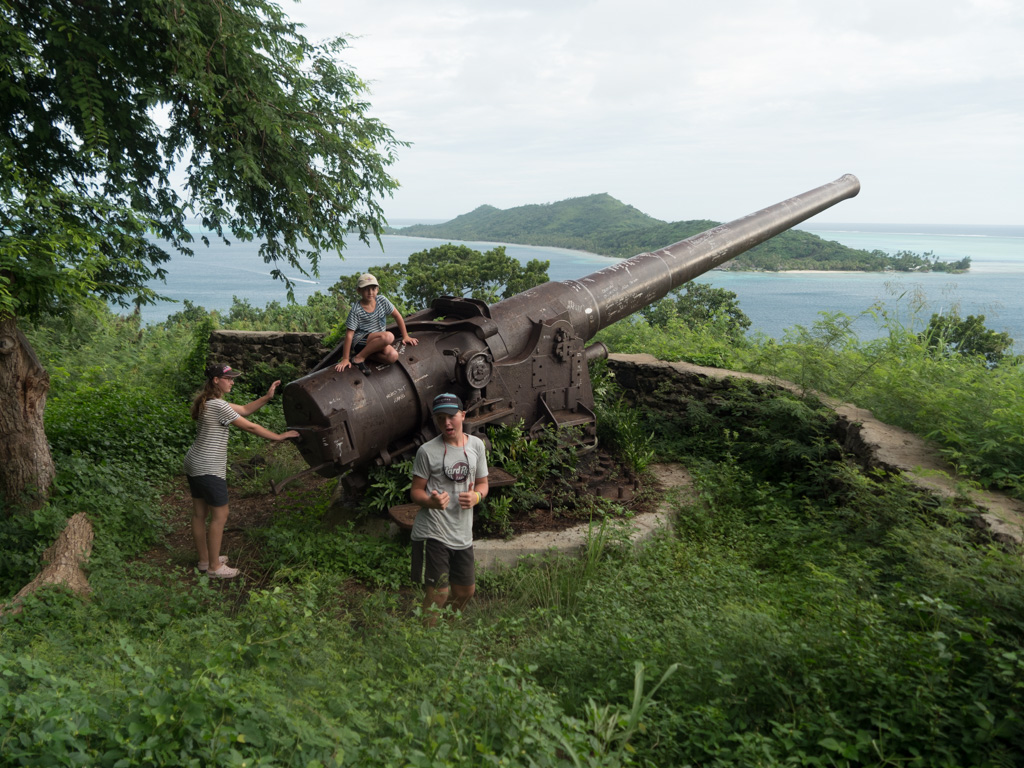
<point>204,567</point>
<point>224,572</point>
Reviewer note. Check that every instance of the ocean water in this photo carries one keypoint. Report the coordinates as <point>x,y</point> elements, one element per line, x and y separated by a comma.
<point>215,275</point>
<point>992,287</point>
<point>774,302</point>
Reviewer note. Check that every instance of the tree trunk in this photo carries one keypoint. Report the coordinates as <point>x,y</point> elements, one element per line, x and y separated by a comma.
<point>25,462</point>
<point>64,561</point>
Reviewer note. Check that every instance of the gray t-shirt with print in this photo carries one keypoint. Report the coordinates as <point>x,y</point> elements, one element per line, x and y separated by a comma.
<point>451,469</point>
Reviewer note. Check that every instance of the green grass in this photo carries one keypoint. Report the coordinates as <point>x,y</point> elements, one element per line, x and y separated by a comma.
<point>800,613</point>
<point>799,638</point>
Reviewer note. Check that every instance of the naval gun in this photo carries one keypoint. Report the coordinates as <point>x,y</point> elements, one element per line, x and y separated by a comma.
<point>521,359</point>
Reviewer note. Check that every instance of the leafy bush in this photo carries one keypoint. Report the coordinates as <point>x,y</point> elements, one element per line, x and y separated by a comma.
<point>122,505</point>
<point>448,270</point>
<point>951,334</point>
<point>127,421</point>
<point>318,315</point>
<point>529,461</point>
<point>495,515</point>
<point>389,486</point>
<point>699,304</point>
<point>259,377</point>
<point>706,343</point>
<point>193,367</point>
<point>619,424</point>
<point>297,542</point>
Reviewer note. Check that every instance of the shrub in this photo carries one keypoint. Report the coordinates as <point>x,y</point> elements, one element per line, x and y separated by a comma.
<point>707,343</point>
<point>297,542</point>
<point>620,426</point>
<point>124,421</point>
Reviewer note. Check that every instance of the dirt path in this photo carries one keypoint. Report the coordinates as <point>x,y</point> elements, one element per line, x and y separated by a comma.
<point>247,512</point>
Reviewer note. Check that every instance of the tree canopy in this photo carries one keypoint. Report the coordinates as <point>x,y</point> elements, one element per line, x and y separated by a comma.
<point>451,270</point>
<point>125,120</point>
<point>696,304</point>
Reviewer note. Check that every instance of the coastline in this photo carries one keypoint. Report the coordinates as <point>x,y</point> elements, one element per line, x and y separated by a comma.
<point>730,267</point>
<point>818,271</point>
<point>833,272</point>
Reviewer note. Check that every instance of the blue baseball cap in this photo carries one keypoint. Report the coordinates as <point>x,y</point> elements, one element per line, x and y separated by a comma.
<point>447,403</point>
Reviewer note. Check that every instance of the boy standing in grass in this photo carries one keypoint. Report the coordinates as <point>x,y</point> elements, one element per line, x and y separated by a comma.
<point>449,479</point>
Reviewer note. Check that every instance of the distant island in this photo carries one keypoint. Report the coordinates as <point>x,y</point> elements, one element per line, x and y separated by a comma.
<point>603,225</point>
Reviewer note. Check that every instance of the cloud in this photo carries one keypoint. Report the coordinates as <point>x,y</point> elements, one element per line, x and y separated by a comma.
<point>696,110</point>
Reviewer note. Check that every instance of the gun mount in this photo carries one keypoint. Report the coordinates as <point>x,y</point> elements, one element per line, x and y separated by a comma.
<point>524,358</point>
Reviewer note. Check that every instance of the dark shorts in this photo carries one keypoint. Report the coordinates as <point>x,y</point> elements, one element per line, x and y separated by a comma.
<point>210,488</point>
<point>442,566</point>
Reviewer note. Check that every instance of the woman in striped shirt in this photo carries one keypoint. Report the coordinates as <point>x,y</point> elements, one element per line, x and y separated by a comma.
<point>366,337</point>
<point>207,460</point>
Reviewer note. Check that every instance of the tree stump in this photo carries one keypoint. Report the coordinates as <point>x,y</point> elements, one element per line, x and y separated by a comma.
<point>63,561</point>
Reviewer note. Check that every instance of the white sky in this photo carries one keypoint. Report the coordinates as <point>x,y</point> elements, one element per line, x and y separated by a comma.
<point>692,110</point>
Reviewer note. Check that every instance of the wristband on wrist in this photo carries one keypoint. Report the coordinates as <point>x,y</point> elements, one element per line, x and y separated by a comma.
<point>479,497</point>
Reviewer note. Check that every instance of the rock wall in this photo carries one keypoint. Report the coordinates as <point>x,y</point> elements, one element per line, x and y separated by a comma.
<point>664,387</point>
<point>246,349</point>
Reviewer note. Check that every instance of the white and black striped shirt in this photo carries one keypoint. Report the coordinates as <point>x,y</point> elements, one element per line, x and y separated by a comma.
<point>209,453</point>
<point>364,323</point>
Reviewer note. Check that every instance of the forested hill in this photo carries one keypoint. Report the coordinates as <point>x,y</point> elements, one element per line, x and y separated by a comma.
<point>603,225</point>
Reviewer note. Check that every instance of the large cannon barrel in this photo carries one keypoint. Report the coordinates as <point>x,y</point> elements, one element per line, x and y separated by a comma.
<point>521,359</point>
<point>618,290</point>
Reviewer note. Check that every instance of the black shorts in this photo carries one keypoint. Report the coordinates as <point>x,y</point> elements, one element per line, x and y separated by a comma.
<point>210,488</point>
<point>442,566</point>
